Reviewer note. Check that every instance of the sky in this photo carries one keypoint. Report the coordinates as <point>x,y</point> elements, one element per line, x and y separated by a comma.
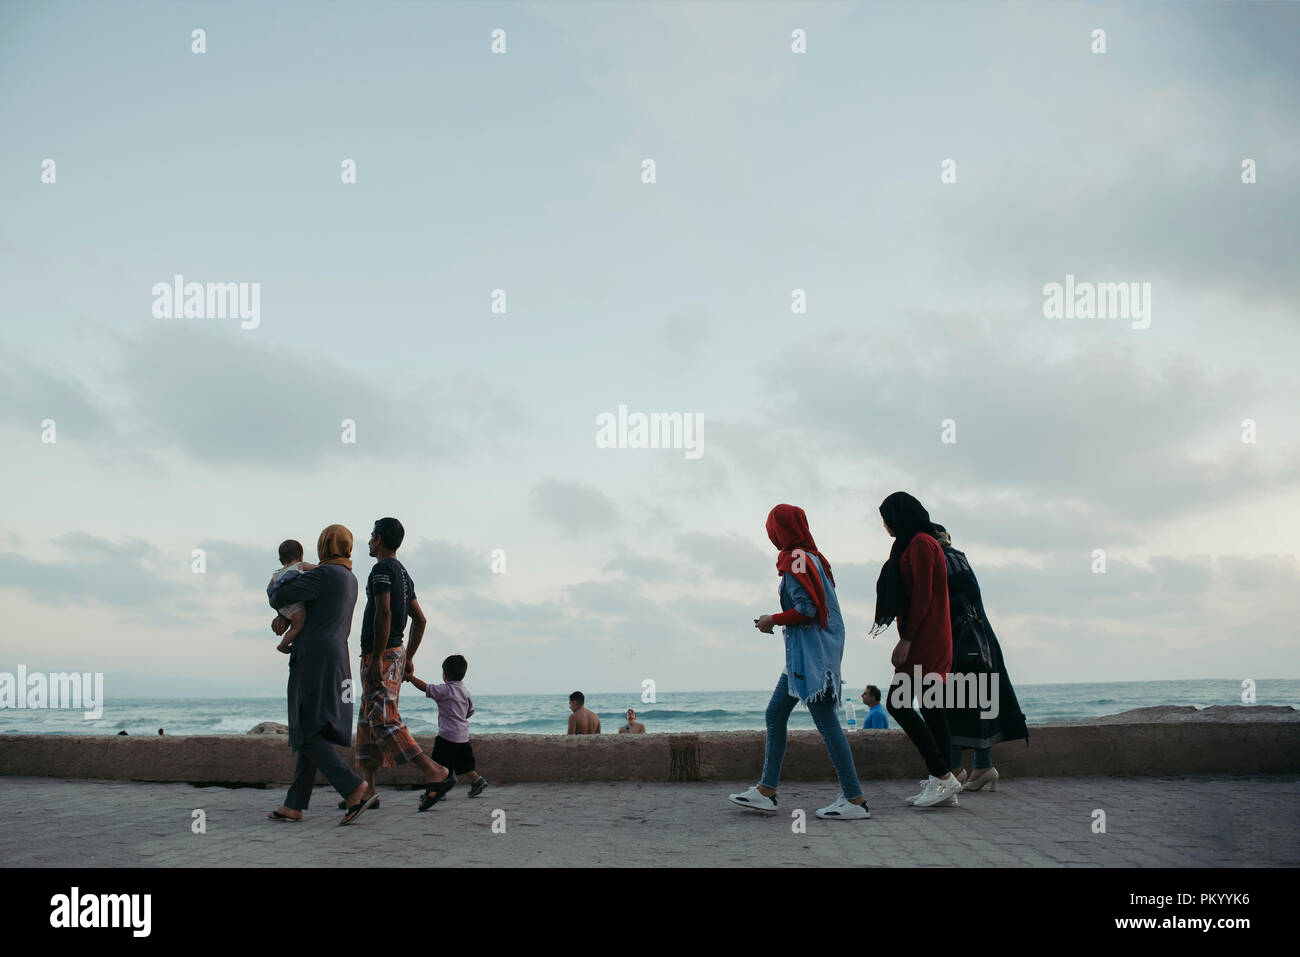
<point>924,361</point>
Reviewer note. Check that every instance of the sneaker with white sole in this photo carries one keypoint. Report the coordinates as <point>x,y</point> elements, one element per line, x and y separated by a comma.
<point>754,800</point>
<point>937,790</point>
<point>917,796</point>
<point>845,810</point>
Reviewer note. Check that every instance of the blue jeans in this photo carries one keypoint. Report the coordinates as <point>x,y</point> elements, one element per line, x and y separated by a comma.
<point>823,715</point>
<point>983,758</point>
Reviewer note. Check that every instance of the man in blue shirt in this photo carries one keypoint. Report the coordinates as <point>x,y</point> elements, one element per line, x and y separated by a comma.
<point>875,717</point>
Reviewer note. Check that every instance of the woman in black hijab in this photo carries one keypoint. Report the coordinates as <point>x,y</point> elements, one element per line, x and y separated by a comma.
<point>913,588</point>
<point>976,653</point>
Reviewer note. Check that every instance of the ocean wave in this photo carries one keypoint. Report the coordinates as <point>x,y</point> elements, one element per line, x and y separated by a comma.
<point>507,724</point>
<point>240,724</point>
<point>668,715</point>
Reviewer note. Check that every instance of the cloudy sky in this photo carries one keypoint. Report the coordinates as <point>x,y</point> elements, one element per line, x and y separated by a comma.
<point>522,171</point>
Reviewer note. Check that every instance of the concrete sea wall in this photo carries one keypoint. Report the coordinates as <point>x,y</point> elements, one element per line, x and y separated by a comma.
<point>1147,742</point>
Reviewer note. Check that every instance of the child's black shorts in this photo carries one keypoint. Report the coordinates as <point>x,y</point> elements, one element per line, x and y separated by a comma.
<point>458,757</point>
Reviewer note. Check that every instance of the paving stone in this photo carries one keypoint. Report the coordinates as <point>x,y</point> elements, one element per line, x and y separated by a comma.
<point>1151,822</point>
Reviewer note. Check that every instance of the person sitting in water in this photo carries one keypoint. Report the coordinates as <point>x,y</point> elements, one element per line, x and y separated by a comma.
<point>581,721</point>
<point>633,726</point>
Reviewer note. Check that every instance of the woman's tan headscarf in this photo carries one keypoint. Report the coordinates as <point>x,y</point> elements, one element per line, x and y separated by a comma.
<point>334,547</point>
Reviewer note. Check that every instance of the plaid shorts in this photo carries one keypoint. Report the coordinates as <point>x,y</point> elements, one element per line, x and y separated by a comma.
<point>382,738</point>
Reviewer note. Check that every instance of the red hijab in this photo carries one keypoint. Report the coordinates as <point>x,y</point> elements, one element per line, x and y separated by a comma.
<point>787,527</point>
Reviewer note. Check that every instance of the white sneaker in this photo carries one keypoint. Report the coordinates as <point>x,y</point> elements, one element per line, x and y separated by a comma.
<point>918,795</point>
<point>754,800</point>
<point>937,791</point>
<point>949,802</point>
<point>845,810</point>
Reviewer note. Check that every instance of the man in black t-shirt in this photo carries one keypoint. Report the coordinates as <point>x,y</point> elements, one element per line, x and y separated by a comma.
<point>390,577</point>
<point>383,740</point>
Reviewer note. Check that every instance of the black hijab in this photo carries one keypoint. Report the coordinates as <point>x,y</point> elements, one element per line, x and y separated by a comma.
<point>906,518</point>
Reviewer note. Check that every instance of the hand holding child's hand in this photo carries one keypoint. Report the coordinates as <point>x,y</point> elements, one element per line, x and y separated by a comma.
<point>280,624</point>
<point>764,624</point>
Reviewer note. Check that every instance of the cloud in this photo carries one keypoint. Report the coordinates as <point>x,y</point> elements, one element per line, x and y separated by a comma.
<point>126,574</point>
<point>226,397</point>
<point>478,611</point>
<point>645,568</point>
<point>727,556</point>
<point>1201,588</point>
<point>446,564</point>
<point>613,599</point>
<point>577,509</point>
<point>720,616</point>
<point>252,565</point>
<point>29,394</point>
<point>1044,448</point>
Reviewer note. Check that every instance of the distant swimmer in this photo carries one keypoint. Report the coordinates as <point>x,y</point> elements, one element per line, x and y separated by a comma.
<point>633,726</point>
<point>581,721</point>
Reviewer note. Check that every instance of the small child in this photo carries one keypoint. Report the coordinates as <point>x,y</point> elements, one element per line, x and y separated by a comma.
<point>451,748</point>
<point>292,566</point>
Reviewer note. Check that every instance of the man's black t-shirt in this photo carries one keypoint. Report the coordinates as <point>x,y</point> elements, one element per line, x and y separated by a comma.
<point>387,577</point>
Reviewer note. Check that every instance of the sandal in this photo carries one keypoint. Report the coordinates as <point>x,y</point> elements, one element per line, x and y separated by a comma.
<point>355,810</point>
<point>435,791</point>
<point>343,805</point>
<point>277,816</point>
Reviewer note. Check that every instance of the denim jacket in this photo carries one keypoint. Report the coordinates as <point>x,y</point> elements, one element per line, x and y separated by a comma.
<point>813,654</point>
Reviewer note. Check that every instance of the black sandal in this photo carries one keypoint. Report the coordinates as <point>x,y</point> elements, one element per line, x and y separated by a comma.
<point>436,791</point>
<point>355,810</point>
<point>277,816</point>
<point>343,805</point>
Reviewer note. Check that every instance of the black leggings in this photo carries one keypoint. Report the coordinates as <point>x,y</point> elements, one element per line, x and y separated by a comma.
<point>928,731</point>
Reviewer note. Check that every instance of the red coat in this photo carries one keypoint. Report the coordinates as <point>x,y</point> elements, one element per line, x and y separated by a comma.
<point>925,623</point>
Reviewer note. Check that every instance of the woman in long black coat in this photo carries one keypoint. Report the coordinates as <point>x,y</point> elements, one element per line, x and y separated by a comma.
<point>320,679</point>
<point>975,651</point>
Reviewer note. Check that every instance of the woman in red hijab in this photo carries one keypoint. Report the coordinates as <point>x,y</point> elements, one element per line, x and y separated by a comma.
<point>814,649</point>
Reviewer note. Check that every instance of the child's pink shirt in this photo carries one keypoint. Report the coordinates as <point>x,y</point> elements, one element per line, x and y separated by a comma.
<point>454,708</point>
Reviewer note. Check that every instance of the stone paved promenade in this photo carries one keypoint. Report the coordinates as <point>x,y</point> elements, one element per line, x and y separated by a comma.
<point>1155,822</point>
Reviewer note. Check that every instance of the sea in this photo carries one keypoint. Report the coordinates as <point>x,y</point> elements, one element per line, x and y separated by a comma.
<point>670,712</point>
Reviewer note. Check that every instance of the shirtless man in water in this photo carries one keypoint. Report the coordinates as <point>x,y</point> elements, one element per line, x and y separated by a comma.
<point>581,721</point>
<point>633,726</point>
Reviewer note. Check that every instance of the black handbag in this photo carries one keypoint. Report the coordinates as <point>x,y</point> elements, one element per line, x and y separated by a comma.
<point>970,641</point>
